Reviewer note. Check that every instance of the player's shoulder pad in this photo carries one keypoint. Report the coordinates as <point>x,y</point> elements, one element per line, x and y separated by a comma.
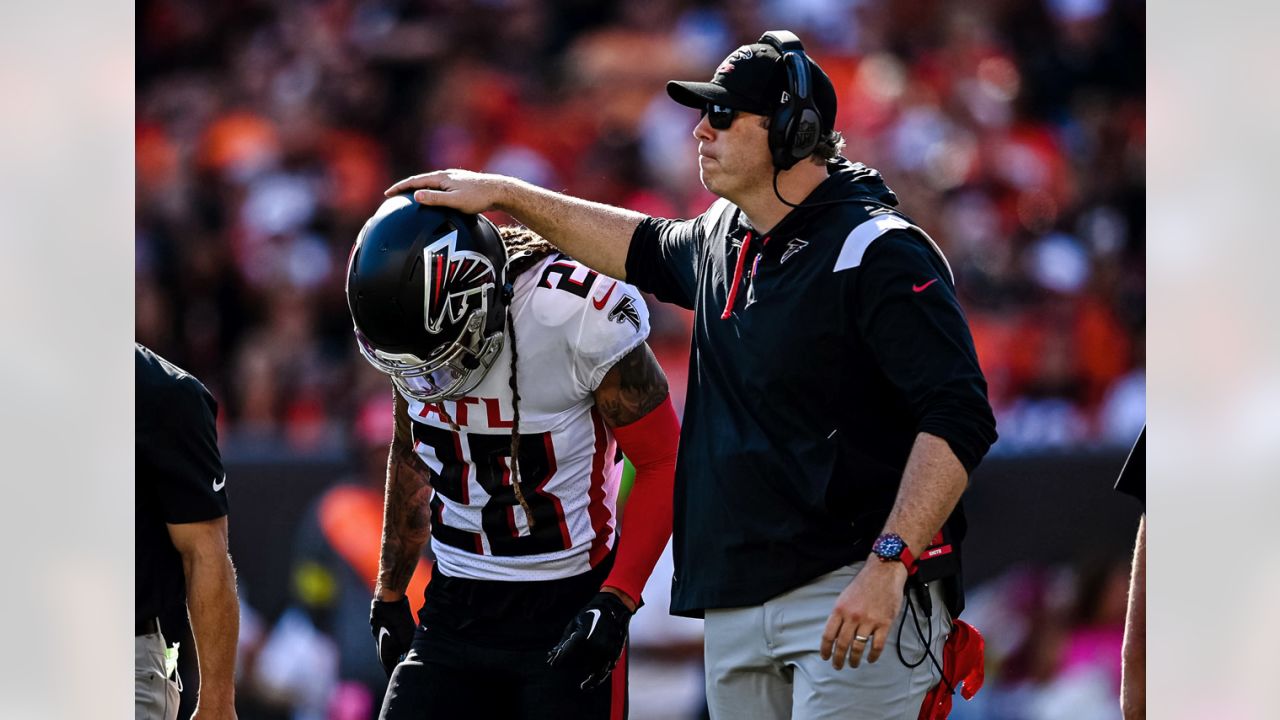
<point>855,245</point>
<point>559,290</point>
<point>615,323</point>
<point>595,318</point>
<point>614,302</point>
<point>568,294</point>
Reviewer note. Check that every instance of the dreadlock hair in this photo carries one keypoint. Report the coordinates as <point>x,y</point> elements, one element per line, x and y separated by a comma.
<point>525,249</point>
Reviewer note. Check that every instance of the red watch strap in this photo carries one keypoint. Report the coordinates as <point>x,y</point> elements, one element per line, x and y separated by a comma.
<point>908,559</point>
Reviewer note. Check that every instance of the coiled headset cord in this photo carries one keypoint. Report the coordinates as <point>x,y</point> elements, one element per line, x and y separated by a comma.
<point>926,606</point>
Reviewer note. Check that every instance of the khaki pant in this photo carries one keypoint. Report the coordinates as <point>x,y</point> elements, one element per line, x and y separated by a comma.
<point>763,662</point>
<point>155,696</point>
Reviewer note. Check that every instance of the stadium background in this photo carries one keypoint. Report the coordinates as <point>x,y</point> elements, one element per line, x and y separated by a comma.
<point>1014,132</point>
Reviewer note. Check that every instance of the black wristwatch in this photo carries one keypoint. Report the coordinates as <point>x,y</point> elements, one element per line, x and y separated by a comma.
<point>890,547</point>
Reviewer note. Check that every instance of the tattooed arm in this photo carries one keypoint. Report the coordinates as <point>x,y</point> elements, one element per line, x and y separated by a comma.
<point>406,518</point>
<point>632,388</point>
<point>634,402</point>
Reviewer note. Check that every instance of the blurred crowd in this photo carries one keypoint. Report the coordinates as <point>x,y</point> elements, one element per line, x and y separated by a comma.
<point>1053,638</point>
<point>1013,130</point>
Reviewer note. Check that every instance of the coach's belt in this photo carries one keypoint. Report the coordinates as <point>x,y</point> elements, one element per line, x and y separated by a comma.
<point>150,626</point>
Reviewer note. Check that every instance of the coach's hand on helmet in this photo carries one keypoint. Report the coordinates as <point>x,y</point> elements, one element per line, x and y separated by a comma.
<point>593,641</point>
<point>464,190</point>
<point>393,625</point>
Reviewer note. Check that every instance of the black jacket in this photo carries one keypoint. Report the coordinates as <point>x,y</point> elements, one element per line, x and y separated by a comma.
<point>844,340</point>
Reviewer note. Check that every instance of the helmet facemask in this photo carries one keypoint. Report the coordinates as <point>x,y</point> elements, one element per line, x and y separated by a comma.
<point>451,371</point>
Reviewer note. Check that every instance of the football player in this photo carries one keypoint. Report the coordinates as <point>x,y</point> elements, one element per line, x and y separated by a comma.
<point>520,375</point>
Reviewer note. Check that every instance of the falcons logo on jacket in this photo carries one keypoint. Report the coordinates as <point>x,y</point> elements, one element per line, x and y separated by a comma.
<point>457,282</point>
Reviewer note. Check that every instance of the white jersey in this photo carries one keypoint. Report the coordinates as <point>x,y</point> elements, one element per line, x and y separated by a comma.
<point>572,325</point>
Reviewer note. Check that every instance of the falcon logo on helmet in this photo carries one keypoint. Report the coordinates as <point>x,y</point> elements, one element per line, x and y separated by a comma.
<point>457,282</point>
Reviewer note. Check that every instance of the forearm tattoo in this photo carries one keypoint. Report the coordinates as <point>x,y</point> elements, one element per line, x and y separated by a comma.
<point>406,518</point>
<point>632,388</point>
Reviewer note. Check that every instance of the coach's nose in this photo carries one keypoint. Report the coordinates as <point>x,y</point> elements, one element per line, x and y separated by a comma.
<point>703,132</point>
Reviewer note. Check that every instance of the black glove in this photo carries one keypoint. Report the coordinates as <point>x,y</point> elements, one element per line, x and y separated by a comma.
<point>392,624</point>
<point>594,639</point>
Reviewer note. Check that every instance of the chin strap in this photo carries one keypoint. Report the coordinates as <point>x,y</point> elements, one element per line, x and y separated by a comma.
<point>507,291</point>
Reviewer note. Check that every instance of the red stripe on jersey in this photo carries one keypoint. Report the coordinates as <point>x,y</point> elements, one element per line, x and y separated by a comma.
<point>618,688</point>
<point>466,487</point>
<point>511,509</point>
<point>596,507</point>
<point>466,468</point>
<point>551,471</point>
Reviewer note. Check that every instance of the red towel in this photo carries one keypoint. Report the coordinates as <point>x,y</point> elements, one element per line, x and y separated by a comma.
<point>962,664</point>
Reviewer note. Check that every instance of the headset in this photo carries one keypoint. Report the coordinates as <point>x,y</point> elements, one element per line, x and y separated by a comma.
<point>794,125</point>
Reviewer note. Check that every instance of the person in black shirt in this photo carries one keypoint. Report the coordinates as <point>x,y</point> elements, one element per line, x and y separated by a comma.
<point>180,541</point>
<point>835,406</point>
<point>1133,685</point>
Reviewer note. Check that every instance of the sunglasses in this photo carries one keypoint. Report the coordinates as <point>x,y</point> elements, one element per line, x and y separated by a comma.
<point>719,116</point>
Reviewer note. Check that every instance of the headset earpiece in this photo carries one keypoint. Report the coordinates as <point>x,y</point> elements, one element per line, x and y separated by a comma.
<point>794,125</point>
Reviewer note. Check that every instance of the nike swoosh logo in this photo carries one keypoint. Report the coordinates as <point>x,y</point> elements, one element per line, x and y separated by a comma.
<point>595,618</point>
<point>920,288</point>
<point>600,303</point>
<point>219,484</point>
<point>382,634</point>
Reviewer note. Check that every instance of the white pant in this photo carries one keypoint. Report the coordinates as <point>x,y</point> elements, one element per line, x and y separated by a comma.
<point>763,662</point>
<point>155,696</point>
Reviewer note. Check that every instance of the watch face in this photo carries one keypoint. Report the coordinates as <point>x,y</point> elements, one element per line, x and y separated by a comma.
<point>889,547</point>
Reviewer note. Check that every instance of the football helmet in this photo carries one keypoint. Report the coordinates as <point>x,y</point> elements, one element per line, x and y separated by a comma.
<point>425,290</point>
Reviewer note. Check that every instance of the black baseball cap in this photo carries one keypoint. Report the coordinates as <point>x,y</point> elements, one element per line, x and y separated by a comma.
<point>752,80</point>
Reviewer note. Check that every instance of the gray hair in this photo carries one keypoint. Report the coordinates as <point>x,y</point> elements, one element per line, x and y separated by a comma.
<point>829,147</point>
